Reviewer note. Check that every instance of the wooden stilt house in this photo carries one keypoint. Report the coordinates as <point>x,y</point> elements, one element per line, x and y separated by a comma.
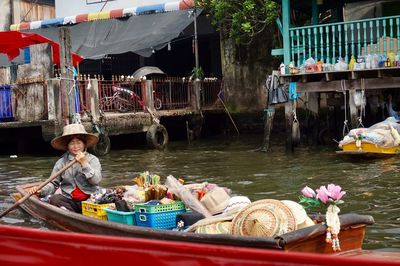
<point>345,52</point>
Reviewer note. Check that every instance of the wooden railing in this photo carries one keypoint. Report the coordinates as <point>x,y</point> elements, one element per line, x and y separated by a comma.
<point>328,42</point>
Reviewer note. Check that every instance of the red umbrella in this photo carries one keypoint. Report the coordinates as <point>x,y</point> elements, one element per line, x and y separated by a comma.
<point>12,41</point>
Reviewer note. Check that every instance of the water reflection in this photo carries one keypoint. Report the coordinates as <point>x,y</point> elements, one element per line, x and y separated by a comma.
<point>372,186</point>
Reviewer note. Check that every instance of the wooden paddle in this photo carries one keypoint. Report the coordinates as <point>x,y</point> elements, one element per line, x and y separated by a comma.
<point>48,180</point>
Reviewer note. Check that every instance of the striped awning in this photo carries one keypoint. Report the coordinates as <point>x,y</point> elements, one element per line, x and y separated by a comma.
<point>116,13</point>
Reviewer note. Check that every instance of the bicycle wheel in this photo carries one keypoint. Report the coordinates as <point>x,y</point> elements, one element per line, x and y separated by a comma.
<point>121,105</point>
<point>157,103</point>
<point>106,103</point>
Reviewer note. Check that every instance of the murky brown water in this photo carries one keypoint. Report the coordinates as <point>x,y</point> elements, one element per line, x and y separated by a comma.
<point>373,186</point>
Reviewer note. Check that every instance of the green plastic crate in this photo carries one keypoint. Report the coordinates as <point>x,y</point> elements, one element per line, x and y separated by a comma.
<point>121,217</point>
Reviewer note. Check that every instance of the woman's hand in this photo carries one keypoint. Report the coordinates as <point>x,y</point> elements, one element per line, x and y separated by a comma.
<point>81,158</point>
<point>34,191</point>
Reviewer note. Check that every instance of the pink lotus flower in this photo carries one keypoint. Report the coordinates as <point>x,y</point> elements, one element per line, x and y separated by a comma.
<point>308,192</point>
<point>336,192</point>
<point>323,194</point>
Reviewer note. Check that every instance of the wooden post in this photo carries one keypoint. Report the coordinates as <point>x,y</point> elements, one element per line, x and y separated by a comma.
<point>94,100</point>
<point>53,100</point>
<point>289,126</point>
<point>286,25</point>
<point>149,96</point>
<point>268,123</point>
<point>195,95</point>
<point>353,109</point>
<point>66,69</point>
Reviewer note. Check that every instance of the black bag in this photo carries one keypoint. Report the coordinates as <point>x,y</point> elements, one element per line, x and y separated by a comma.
<point>184,220</point>
<point>277,92</point>
<point>122,205</point>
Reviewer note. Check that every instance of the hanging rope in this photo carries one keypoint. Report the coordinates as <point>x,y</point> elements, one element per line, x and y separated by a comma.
<point>362,109</point>
<point>295,126</point>
<point>345,122</point>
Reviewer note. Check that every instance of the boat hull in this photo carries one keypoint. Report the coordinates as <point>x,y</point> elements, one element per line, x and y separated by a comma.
<point>310,239</point>
<point>22,246</point>
<point>368,150</point>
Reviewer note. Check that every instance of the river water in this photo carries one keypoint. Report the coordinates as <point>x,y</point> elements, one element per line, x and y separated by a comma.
<point>372,186</point>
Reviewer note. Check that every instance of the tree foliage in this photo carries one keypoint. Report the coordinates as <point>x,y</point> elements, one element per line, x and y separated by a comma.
<point>241,20</point>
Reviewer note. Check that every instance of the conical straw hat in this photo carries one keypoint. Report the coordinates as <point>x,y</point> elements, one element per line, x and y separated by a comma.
<point>71,130</point>
<point>264,218</point>
<point>300,214</point>
<point>215,228</point>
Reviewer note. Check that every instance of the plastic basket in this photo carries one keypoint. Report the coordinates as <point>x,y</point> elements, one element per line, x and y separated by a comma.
<point>95,210</point>
<point>146,208</point>
<point>161,216</point>
<point>121,217</point>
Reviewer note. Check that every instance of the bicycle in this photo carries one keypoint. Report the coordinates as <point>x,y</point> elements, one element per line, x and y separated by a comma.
<point>124,100</point>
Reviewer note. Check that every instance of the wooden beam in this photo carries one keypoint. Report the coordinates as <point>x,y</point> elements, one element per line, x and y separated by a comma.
<point>286,25</point>
<point>289,126</point>
<point>370,84</point>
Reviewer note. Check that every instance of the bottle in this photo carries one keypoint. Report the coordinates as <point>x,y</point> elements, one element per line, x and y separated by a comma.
<point>368,60</point>
<point>282,68</point>
<point>375,61</point>
<point>319,65</point>
<point>351,63</point>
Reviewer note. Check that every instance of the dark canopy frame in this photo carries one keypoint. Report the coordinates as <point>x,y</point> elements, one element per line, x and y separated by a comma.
<point>138,34</point>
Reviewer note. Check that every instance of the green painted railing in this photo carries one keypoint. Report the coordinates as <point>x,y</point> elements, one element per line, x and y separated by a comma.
<point>328,42</point>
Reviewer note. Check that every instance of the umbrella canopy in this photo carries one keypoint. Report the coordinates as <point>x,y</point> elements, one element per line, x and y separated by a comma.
<point>147,70</point>
<point>13,41</point>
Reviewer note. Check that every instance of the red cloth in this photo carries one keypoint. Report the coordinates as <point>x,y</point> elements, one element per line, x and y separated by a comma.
<point>78,194</point>
<point>12,41</point>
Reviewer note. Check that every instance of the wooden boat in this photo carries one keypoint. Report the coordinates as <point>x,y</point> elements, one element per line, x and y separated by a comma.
<point>368,150</point>
<point>310,239</point>
<point>23,246</point>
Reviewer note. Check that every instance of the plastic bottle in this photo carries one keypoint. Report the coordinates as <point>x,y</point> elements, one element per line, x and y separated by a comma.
<point>375,61</point>
<point>282,68</point>
<point>351,63</point>
<point>368,63</point>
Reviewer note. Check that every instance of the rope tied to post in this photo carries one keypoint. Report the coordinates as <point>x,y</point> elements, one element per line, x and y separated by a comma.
<point>362,109</point>
<point>345,122</point>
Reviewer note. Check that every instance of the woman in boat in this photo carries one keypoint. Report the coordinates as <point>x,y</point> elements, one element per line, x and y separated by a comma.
<point>82,178</point>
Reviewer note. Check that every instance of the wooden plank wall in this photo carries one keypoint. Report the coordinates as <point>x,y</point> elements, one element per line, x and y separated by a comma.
<point>29,93</point>
<point>4,75</point>
<point>30,11</point>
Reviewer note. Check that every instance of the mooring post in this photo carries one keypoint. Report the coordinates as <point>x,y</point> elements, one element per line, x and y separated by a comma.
<point>94,100</point>
<point>353,110</point>
<point>289,107</point>
<point>195,95</point>
<point>149,95</point>
<point>66,69</point>
<point>269,115</point>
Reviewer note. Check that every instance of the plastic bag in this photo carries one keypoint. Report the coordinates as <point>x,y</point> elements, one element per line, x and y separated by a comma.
<point>340,65</point>
<point>190,201</point>
<point>277,92</point>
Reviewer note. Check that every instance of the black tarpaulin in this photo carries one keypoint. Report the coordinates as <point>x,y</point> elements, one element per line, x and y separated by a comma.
<point>138,34</point>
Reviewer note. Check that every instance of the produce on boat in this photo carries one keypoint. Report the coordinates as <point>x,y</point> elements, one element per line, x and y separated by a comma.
<point>151,212</point>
